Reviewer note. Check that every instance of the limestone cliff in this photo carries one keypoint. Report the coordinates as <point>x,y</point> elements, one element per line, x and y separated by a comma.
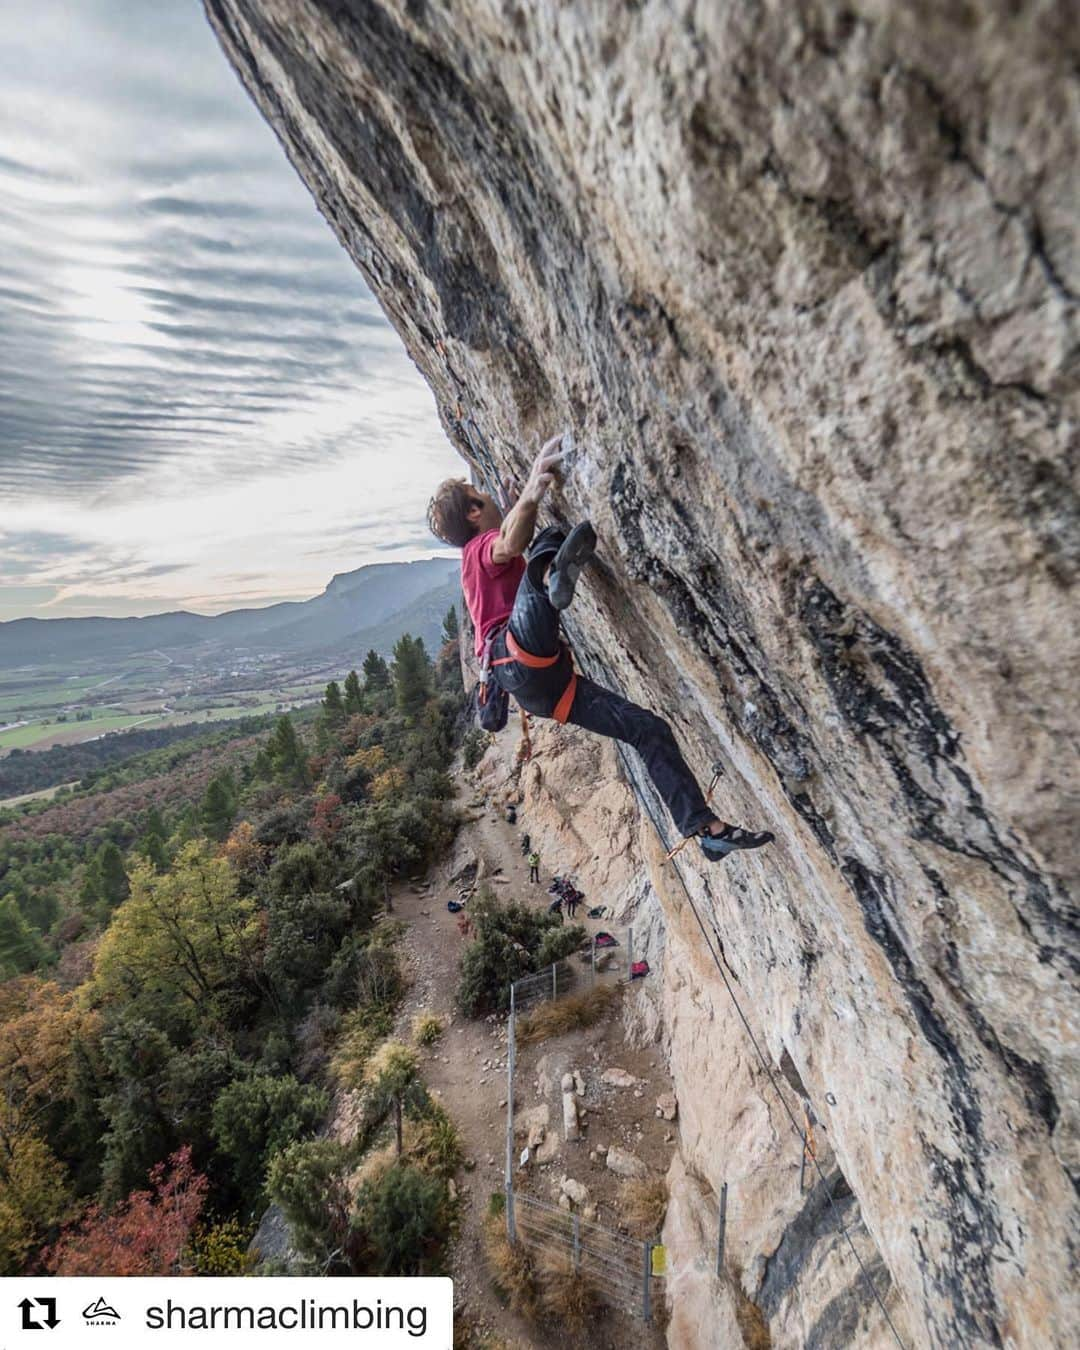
<point>802,277</point>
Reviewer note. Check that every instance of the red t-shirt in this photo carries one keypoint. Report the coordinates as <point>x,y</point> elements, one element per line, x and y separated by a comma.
<point>489,587</point>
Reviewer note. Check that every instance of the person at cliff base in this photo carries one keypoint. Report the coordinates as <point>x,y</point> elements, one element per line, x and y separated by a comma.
<point>516,583</point>
<point>534,867</point>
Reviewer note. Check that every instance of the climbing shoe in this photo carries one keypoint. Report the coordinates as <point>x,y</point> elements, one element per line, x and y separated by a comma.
<point>577,548</point>
<point>731,838</point>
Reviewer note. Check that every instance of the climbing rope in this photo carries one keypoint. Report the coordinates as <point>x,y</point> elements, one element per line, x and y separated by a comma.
<point>757,1048</point>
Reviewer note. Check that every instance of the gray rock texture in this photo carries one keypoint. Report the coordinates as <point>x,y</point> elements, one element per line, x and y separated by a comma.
<point>802,277</point>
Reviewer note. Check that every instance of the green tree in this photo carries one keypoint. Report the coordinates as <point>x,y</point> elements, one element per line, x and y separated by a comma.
<point>113,885</point>
<point>217,808</point>
<point>412,675</point>
<point>404,1216</point>
<point>333,706</point>
<point>354,699</point>
<point>394,1076</point>
<point>256,1117</point>
<point>309,1180</point>
<point>286,753</point>
<point>154,851</point>
<point>450,628</point>
<point>21,949</point>
<point>376,671</point>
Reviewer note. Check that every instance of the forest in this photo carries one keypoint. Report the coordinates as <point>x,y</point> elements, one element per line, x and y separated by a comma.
<point>195,957</point>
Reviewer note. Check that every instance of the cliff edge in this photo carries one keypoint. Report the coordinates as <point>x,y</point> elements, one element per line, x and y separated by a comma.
<point>803,280</point>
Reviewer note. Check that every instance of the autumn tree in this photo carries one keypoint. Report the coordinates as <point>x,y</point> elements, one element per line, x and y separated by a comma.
<point>34,1197</point>
<point>146,1234</point>
<point>182,946</point>
<point>354,699</point>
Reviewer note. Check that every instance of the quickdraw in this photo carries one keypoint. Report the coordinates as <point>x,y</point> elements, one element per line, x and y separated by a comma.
<point>718,773</point>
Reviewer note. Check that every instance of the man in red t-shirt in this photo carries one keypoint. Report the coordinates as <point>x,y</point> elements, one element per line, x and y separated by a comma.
<point>516,583</point>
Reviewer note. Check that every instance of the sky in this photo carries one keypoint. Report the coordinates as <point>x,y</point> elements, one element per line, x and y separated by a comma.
<point>201,404</point>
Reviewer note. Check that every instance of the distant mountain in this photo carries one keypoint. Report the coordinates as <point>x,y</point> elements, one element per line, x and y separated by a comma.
<point>352,607</point>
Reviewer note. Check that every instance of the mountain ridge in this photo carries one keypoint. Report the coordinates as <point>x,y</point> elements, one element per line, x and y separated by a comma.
<point>350,603</point>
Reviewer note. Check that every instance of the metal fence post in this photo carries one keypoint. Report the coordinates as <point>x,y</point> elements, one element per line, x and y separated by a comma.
<point>511,1047</point>
<point>721,1235</point>
<point>646,1281</point>
<point>577,1242</point>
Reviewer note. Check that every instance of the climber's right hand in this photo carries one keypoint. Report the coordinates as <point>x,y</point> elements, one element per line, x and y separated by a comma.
<point>544,471</point>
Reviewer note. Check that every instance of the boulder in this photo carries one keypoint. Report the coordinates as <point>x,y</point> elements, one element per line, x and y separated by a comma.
<point>618,1078</point>
<point>625,1164</point>
<point>667,1107</point>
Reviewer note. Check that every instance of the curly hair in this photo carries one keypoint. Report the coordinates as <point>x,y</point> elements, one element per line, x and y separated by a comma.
<point>446,515</point>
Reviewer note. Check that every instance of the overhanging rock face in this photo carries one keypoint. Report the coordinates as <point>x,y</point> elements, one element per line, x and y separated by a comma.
<point>802,279</point>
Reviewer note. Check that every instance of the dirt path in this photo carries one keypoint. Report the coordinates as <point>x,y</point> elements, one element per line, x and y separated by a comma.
<point>466,1069</point>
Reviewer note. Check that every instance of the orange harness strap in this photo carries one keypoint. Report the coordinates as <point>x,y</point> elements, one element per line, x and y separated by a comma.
<point>518,653</point>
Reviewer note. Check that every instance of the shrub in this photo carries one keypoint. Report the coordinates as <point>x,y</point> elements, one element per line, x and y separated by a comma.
<point>308,1181</point>
<point>511,940</point>
<point>642,1204</point>
<point>512,1272</point>
<point>473,746</point>
<point>568,1296</point>
<point>364,1029</point>
<point>221,1249</point>
<point>566,1014</point>
<point>255,1117</point>
<point>426,1028</point>
<point>432,1142</point>
<point>404,1218</point>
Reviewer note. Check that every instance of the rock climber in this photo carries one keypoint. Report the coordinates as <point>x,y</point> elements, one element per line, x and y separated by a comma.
<point>534,866</point>
<point>516,583</point>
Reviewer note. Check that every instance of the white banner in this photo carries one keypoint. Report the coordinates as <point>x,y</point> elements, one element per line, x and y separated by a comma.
<point>71,1312</point>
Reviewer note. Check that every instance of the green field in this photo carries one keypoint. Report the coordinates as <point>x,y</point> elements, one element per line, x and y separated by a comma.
<point>25,738</point>
<point>55,694</point>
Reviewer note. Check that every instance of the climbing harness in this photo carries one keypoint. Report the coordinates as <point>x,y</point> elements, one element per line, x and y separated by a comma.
<point>718,773</point>
<point>519,654</point>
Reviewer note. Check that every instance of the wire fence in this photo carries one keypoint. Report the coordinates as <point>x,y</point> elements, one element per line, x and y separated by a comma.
<point>620,1268</point>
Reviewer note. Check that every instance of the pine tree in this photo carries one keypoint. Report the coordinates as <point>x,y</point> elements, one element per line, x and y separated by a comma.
<point>217,809</point>
<point>20,947</point>
<point>155,823</point>
<point>287,753</point>
<point>332,705</point>
<point>412,675</point>
<point>450,626</point>
<point>152,847</point>
<point>376,671</point>
<point>112,874</point>
<point>354,699</point>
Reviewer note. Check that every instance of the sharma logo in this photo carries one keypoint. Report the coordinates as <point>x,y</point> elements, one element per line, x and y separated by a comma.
<point>101,1314</point>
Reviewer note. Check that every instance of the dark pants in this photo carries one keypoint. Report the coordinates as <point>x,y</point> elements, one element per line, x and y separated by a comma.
<point>534,874</point>
<point>534,623</point>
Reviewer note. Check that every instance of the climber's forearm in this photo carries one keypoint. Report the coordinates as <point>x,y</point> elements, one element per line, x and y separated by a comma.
<point>517,530</point>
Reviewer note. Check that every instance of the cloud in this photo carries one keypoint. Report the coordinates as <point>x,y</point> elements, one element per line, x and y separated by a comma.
<point>179,329</point>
